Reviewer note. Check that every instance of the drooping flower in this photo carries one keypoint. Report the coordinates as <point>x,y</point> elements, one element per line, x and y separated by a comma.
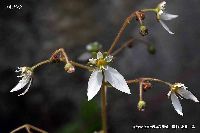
<point>26,75</point>
<point>163,15</point>
<point>102,70</point>
<point>180,90</point>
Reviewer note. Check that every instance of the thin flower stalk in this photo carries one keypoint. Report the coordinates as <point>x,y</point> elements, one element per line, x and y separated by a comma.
<point>103,106</point>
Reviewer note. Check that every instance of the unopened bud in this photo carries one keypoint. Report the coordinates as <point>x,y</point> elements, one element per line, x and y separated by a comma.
<point>140,15</point>
<point>69,68</point>
<point>143,30</point>
<point>141,105</point>
<point>146,85</point>
<point>151,49</point>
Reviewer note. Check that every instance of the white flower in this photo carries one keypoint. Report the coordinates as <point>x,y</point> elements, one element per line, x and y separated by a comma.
<point>111,75</point>
<point>179,89</point>
<point>26,75</point>
<point>163,15</point>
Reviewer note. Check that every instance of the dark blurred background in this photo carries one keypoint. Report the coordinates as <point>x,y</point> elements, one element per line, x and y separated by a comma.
<point>57,101</point>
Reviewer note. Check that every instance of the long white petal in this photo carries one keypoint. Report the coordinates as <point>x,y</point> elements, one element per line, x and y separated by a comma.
<point>176,104</point>
<point>21,84</point>
<point>26,88</point>
<point>116,80</point>
<point>167,16</point>
<point>94,84</point>
<point>165,26</point>
<point>187,94</point>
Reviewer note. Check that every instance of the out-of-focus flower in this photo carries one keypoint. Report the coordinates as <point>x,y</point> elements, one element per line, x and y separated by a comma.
<point>110,74</point>
<point>179,89</point>
<point>163,15</point>
<point>26,75</point>
<point>91,48</point>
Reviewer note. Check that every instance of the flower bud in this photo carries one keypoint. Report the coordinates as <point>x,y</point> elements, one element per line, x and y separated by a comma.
<point>143,30</point>
<point>151,49</point>
<point>140,15</point>
<point>146,85</point>
<point>69,68</point>
<point>141,105</point>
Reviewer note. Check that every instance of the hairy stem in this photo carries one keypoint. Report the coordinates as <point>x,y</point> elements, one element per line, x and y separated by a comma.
<point>148,79</point>
<point>103,106</point>
<point>128,43</point>
<point>123,46</point>
<point>141,90</point>
<point>81,65</point>
<point>28,127</point>
<point>124,25</point>
<point>40,64</point>
<point>149,10</point>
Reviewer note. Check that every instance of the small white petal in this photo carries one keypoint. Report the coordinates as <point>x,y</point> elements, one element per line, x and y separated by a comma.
<point>99,55</point>
<point>169,94</point>
<point>94,84</point>
<point>21,84</point>
<point>92,61</point>
<point>167,16</point>
<point>176,104</point>
<point>160,13</point>
<point>162,5</point>
<point>26,88</point>
<point>165,26</point>
<point>116,80</point>
<point>84,57</point>
<point>187,94</point>
<point>109,58</point>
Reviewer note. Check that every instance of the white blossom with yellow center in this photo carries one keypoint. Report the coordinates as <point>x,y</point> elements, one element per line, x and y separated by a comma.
<point>110,74</point>
<point>163,15</point>
<point>26,75</point>
<point>179,89</point>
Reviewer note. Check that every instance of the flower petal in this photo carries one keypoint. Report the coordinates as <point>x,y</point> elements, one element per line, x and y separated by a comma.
<point>176,104</point>
<point>167,16</point>
<point>21,84</point>
<point>26,88</point>
<point>116,80</point>
<point>109,58</point>
<point>161,5</point>
<point>165,26</point>
<point>94,84</point>
<point>187,94</point>
<point>99,55</point>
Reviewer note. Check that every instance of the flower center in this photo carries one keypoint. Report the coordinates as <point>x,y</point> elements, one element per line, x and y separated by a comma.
<point>175,88</point>
<point>101,62</point>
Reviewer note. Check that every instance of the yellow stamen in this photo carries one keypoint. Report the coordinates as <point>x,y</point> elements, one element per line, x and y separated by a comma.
<point>175,88</point>
<point>101,62</point>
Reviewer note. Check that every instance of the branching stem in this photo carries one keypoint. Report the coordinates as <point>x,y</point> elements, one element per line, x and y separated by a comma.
<point>28,127</point>
<point>124,25</point>
<point>40,64</point>
<point>148,79</point>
